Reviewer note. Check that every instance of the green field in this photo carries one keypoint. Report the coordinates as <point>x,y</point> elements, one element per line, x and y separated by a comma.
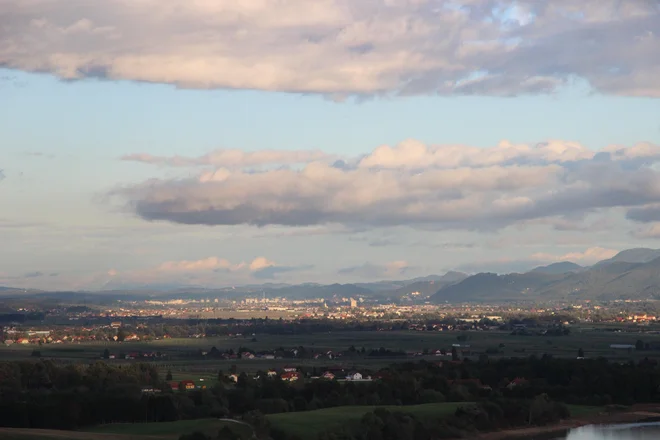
<point>309,424</point>
<point>582,410</point>
<point>173,429</point>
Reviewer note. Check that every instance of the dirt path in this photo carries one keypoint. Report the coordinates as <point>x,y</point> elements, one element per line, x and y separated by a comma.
<point>74,435</point>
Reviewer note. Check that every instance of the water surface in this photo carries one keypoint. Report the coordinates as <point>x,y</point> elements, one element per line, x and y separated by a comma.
<point>636,431</point>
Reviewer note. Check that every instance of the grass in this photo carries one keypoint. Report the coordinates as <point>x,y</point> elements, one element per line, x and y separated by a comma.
<point>173,429</point>
<point>582,410</point>
<point>309,424</point>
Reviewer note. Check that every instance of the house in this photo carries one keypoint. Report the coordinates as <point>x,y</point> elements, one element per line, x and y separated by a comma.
<point>328,375</point>
<point>518,381</point>
<point>354,375</point>
<point>23,341</point>
<point>233,378</point>
<point>290,376</point>
<point>290,369</point>
<point>271,373</point>
<point>188,384</point>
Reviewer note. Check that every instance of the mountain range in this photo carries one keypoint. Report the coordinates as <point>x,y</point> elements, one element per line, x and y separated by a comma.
<point>631,274</point>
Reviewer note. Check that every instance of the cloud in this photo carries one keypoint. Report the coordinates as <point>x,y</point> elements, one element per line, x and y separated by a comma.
<point>412,184</point>
<point>271,272</point>
<point>342,48</point>
<point>234,158</point>
<point>206,271</point>
<point>650,231</point>
<point>2,175</point>
<point>33,275</point>
<point>261,263</point>
<point>372,271</point>
<point>206,264</point>
<point>590,255</point>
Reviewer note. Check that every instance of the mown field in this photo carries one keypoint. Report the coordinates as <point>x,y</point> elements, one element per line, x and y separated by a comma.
<point>309,424</point>
<point>174,429</point>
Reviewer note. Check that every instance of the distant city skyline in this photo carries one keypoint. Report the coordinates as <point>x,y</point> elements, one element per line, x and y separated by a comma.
<point>221,143</point>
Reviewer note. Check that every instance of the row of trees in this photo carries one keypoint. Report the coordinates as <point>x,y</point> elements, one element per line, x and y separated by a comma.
<point>47,395</point>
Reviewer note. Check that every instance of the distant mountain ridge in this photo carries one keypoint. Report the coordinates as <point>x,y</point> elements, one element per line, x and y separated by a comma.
<point>631,274</point>
<point>558,268</point>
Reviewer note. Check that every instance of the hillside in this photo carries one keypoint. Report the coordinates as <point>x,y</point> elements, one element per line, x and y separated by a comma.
<point>493,287</point>
<point>427,286</point>
<point>636,255</point>
<point>558,268</point>
<point>612,279</point>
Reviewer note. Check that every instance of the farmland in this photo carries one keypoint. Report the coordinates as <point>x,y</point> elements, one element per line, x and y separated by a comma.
<point>182,354</point>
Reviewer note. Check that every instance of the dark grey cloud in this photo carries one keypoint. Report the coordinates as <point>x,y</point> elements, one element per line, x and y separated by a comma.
<point>337,48</point>
<point>645,214</point>
<point>2,175</point>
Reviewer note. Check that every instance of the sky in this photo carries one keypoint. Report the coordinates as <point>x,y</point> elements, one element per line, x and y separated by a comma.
<point>218,143</point>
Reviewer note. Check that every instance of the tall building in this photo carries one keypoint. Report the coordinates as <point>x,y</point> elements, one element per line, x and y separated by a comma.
<point>353,303</point>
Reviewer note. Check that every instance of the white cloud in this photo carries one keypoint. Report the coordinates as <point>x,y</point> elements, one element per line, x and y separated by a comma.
<point>342,47</point>
<point>590,255</point>
<point>260,263</point>
<point>206,264</point>
<point>205,271</point>
<point>436,187</point>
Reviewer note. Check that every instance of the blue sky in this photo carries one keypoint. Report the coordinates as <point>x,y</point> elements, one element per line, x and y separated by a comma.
<point>92,198</point>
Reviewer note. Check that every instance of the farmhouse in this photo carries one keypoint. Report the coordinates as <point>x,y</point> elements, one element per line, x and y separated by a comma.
<point>354,375</point>
<point>188,384</point>
<point>290,376</point>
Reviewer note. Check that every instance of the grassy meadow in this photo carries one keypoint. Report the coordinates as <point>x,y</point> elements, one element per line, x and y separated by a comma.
<point>309,424</point>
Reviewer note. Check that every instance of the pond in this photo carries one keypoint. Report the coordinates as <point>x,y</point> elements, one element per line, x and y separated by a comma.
<point>637,431</point>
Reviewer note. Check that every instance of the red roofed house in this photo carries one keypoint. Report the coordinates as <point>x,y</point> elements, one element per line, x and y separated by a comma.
<point>188,384</point>
<point>518,381</point>
<point>290,376</point>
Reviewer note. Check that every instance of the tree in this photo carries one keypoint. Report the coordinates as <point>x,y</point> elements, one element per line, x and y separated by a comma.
<point>454,354</point>
<point>639,345</point>
<point>121,335</point>
<point>168,376</point>
<point>580,353</point>
<point>106,354</point>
